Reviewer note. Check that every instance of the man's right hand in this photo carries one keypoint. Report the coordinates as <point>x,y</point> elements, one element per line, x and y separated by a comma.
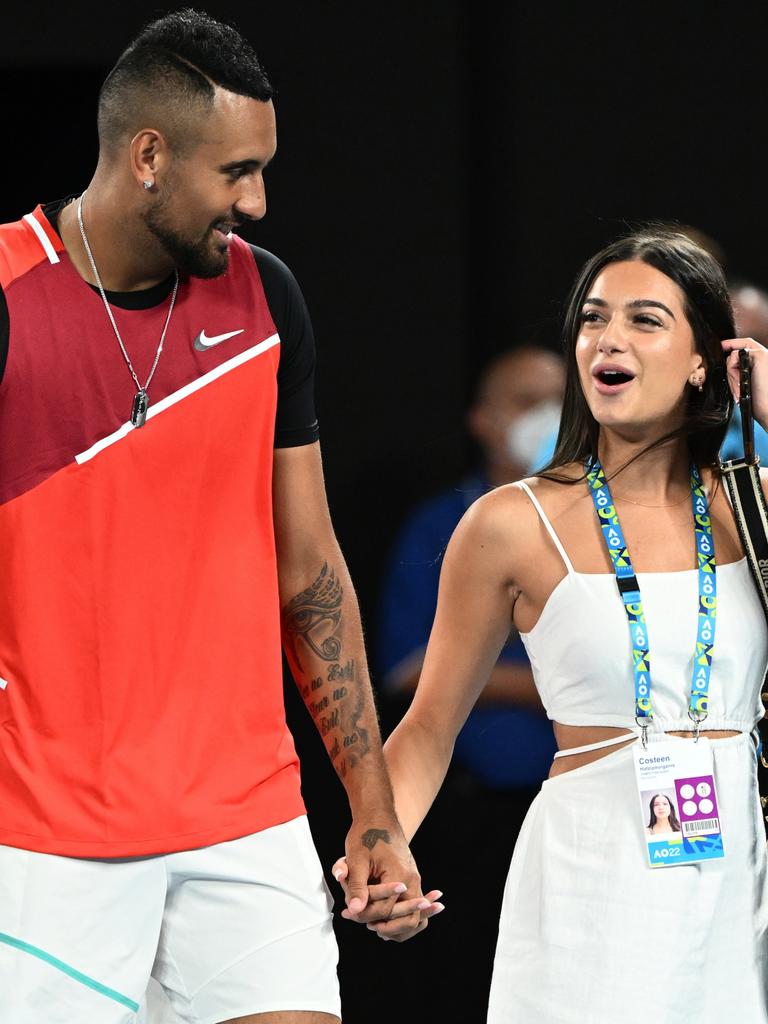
<point>387,913</point>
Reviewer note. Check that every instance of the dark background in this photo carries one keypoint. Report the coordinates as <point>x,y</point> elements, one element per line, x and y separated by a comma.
<point>443,170</point>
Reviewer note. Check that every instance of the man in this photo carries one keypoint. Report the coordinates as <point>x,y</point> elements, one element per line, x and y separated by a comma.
<point>162,522</point>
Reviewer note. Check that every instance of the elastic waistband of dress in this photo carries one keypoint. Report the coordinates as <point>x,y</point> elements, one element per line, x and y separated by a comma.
<point>662,725</point>
<point>623,753</point>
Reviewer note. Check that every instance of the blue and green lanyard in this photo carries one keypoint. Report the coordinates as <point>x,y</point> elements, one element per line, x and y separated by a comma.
<point>629,588</point>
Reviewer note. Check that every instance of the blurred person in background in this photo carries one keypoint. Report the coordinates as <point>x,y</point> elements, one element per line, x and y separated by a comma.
<point>517,404</point>
<point>750,311</point>
<point>506,746</point>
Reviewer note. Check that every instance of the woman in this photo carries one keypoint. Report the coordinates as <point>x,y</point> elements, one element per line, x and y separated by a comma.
<point>584,918</point>
<point>662,818</point>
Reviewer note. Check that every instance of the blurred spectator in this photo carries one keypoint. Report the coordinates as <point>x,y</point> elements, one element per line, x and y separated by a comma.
<point>750,307</point>
<point>507,743</point>
<point>701,238</point>
<point>506,747</point>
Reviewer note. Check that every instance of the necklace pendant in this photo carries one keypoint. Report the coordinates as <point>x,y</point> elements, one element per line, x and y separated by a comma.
<point>139,409</point>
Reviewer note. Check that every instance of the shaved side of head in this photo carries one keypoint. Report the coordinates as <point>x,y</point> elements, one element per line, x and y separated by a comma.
<point>166,80</point>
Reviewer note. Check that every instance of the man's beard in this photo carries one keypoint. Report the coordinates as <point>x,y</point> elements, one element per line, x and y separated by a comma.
<point>198,259</point>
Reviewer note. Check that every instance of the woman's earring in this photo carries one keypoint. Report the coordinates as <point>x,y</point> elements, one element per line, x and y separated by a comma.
<point>697,381</point>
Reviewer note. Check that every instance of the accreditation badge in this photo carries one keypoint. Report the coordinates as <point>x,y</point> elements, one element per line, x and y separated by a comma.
<point>678,802</point>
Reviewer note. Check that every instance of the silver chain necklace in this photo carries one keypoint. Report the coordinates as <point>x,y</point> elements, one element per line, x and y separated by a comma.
<point>141,398</point>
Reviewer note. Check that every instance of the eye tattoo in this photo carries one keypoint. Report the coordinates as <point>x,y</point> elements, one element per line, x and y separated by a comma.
<point>314,615</point>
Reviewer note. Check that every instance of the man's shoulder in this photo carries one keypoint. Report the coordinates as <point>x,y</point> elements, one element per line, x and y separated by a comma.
<point>281,288</point>
<point>11,230</point>
<point>16,249</point>
<point>271,265</point>
<point>25,243</point>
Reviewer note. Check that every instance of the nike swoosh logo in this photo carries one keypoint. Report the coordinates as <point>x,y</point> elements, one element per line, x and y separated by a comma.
<point>203,343</point>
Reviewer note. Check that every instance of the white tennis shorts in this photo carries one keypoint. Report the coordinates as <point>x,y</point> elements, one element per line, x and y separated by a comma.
<point>238,928</point>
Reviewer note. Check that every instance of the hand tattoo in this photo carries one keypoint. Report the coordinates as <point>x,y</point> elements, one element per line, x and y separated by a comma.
<point>373,835</point>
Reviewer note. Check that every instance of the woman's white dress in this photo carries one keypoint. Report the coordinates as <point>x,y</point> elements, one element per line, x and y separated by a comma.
<point>589,933</point>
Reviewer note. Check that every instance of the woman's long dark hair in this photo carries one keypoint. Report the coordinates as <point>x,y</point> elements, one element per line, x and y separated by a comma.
<point>710,315</point>
<point>674,823</point>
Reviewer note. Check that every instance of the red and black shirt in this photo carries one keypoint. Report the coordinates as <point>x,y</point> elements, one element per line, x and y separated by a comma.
<point>141,701</point>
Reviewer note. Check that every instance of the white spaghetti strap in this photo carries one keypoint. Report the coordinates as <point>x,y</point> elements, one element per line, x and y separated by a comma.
<point>597,746</point>
<point>548,525</point>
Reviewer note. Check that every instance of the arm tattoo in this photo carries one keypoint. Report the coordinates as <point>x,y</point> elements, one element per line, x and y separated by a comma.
<point>356,741</point>
<point>313,627</point>
<point>373,835</point>
<point>314,616</point>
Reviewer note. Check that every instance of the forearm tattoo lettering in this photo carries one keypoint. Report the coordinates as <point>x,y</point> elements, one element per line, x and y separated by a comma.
<point>313,624</point>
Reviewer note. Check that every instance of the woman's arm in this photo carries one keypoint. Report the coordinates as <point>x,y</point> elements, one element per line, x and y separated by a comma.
<point>472,622</point>
<point>479,585</point>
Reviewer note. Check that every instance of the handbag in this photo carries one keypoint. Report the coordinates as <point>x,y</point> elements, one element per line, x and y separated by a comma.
<point>742,479</point>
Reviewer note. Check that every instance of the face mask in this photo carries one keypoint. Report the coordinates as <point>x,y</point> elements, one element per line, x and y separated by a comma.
<point>527,435</point>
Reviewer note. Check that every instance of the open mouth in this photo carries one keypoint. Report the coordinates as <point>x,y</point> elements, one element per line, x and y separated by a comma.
<point>614,377</point>
<point>610,380</point>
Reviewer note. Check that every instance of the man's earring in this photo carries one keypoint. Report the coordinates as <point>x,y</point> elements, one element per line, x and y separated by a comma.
<point>147,183</point>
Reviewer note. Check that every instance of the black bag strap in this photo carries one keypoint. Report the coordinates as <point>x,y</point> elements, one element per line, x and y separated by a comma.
<point>742,479</point>
<point>749,506</point>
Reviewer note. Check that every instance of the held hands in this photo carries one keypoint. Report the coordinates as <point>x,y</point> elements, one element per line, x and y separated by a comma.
<point>381,884</point>
<point>759,357</point>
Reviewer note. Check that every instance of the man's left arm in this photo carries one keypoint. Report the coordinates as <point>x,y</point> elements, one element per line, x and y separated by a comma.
<point>323,641</point>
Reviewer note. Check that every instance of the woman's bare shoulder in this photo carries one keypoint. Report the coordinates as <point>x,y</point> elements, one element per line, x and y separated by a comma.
<point>493,532</point>
<point>498,511</point>
<point>508,509</point>
<point>557,492</point>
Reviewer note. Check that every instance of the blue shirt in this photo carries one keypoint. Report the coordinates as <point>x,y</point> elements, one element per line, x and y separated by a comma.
<point>733,445</point>
<point>502,746</point>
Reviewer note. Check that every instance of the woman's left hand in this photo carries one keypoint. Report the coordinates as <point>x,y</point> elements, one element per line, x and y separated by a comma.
<point>389,912</point>
<point>759,357</point>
